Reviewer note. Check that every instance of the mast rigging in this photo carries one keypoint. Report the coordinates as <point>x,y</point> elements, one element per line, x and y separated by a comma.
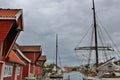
<point>56,50</point>
<point>95,28</point>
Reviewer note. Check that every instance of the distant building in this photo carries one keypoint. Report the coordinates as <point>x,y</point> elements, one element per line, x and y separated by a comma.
<point>68,68</point>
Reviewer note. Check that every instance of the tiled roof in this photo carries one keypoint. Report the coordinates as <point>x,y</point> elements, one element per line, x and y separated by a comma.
<point>16,47</point>
<point>9,13</point>
<point>12,14</point>
<point>41,60</point>
<point>42,57</point>
<point>23,56</point>
<point>30,48</point>
<point>14,58</point>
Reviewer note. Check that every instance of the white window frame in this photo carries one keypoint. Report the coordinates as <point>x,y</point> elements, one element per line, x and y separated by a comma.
<point>8,70</point>
<point>18,70</point>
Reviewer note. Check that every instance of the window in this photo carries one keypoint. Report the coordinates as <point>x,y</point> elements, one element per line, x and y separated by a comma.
<point>18,70</point>
<point>8,70</point>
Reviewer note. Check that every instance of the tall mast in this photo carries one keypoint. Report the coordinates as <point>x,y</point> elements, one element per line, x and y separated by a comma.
<point>95,29</point>
<point>56,50</point>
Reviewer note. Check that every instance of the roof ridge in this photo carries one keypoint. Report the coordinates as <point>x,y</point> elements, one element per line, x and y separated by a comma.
<point>9,9</point>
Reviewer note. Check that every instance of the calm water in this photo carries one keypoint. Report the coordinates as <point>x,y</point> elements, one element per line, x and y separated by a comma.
<point>73,76</point>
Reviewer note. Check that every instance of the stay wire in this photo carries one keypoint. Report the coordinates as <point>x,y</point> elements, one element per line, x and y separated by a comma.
<point>84,36</point>
<point>109,37</point>
<point>60,60</point>
<point>90,53</point>
<point>102,39</point>
<point>78,58</point>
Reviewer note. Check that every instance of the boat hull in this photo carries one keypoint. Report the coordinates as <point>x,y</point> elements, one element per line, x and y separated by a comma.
<point>96,78</point>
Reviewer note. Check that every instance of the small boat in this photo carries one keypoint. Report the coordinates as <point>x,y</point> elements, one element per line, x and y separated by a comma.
<point>56,74</point>
<point>102,61</point>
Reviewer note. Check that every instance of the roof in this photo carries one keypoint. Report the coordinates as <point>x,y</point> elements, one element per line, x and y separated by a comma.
<point>41,60</point>
<point>21,54</point>
<point>16,48</point>
<point>10,13</point>
<point>30,48</point>
<point>14,58</point>
<point>42,57</point>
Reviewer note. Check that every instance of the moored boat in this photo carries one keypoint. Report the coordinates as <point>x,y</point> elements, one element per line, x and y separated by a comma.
<point>96,67</point>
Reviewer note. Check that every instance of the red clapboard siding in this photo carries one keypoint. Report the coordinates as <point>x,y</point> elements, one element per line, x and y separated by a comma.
<point>31,56</point>
<point>19,22</point>
<point>4,29</point>
<point>25,71</point>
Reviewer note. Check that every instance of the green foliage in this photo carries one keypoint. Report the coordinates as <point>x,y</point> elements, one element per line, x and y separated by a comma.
<point>48,67</point>
<point>74,69</point>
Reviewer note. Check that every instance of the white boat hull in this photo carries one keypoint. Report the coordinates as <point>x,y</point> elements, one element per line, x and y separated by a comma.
<point>96,78</point>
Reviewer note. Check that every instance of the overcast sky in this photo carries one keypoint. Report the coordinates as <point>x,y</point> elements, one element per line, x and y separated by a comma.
<point>43,19</point>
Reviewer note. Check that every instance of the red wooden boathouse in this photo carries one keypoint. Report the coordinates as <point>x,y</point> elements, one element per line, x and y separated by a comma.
<point>17,61</point>
<point>33,53</point>
<point>11,23</point>
<point>39,65</point>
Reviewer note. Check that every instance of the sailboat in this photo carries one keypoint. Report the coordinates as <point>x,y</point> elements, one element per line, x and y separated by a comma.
<point>103,62</point>
<point>57,74</point>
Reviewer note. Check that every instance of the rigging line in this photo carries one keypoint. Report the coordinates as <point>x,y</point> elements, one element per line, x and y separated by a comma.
<point>83,36</point>
<point>91,45</point>
<point>98,19</point>
<point>107,56</point>
<point>87,57</point>
<point>81,41</point>
<point>82,58</point>
<point>102,37</point>
<point>99,34</point>
<point>53,59</point>
<point>77,57</point>
<point>104,51</point>
<point>101,30</point>
<point>60,60</point>
<point>109,37</point>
